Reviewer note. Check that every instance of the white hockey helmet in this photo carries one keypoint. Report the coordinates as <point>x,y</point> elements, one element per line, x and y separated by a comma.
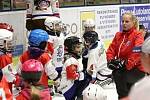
<point>94,92</point>
<point>89,23</point>
<point>50,22</point>
<point>6,38</point>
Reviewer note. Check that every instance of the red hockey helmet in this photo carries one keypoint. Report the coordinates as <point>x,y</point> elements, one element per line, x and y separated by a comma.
<point>6,26</point>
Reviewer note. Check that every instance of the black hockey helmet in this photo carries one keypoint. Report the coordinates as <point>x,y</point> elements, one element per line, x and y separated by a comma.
<point>90,36</point>
<point>71,42</point>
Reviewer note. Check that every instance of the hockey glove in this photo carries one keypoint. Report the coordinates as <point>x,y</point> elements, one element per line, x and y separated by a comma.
<point>116,64</point>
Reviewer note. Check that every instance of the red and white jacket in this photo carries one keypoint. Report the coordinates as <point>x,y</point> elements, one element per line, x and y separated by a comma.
<point>7,68</point>
<point>45,59</point>
<point>5,93</point>
<point>127,46</point>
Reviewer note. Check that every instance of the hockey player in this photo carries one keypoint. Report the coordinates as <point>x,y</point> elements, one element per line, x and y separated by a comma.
<point>31,73</point>
<point>56,41</point>
<point>72,70</point>
<point>93,58</point>
<point>89,25</point>
<point>6,66</point>
<point>38,42</point>
<point>38,11</point>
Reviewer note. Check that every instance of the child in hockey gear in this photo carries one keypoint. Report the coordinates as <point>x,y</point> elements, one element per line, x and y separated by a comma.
<point>89,25</point>
<point>31,73</point>
<point>93,57</point>
<point>144,31</point>
<point>94,92</point>
<point>4,88</point>
<point>72,70</point>
<point>55,42</point>
<point>38,11</point>
<point>6,66</point>
<point>126,48</point>
<point>38,41</point>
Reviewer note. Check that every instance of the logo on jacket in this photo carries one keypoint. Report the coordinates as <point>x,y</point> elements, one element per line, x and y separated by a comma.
<point>128,43</point>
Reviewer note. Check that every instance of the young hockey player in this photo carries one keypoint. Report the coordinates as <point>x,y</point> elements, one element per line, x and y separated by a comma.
<point>72,70</point>
<point>93,57</point>
<point>38,11</point>
<point>56,41</point>
<point>38,42</point>
<point>89,25</point>
<point>31,73</point>
<point>6,66</point>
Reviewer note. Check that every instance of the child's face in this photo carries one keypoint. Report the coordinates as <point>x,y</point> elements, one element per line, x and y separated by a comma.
<point>78,49</point>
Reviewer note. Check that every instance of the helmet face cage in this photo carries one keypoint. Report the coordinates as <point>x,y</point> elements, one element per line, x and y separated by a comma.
<point>53,24</point>
<point>7,41</point>
<point>90,37</point>
<point>7,45</point>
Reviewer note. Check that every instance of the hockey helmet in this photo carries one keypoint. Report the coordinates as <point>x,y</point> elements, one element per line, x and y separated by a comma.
<point>53,23</point>
<point>71,42</point>
<point>37,36</point>
<point>90,37</point>
<point>6,40</point>
<point>31,70</point>
<point>89,23</point>
<point>94,92</point>
<point>6,26</point>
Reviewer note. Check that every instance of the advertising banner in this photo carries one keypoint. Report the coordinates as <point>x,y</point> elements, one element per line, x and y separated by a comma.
<point>107,22</point>
<point>141,11</point>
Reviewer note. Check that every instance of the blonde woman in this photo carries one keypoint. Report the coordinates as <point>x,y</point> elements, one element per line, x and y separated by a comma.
<point>123,55</point>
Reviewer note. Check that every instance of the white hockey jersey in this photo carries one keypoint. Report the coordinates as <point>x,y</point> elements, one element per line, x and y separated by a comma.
<point>58,45</point>
<point>67,83</point>
<point>97,58</point>
<point>41,9</point>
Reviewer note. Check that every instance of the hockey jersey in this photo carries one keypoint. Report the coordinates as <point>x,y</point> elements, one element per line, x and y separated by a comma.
<point>72,70</point>
<point>58,49</point>
<point>95,57</point>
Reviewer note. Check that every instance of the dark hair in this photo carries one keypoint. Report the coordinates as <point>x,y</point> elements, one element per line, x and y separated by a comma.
<point>141,26</point>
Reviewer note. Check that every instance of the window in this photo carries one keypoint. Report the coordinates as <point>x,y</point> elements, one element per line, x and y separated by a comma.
<point>135,1</point>
<point>86,2</point>
<point>71,3</point>
<point>19,4</point>
<point>4,5</point>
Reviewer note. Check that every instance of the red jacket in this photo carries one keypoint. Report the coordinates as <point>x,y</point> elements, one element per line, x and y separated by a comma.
<point>26,93</point>
<point>5,92</point>
<point>127,46</point>
<point>44,58</point>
